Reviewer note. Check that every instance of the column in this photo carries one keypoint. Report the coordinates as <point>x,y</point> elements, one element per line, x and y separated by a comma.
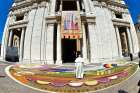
<point>10,38</point>
<point>59,52</point>
<point>60,6</point>
<point>52,7</point>
<point>78,6</point>
<point>86,6</point>
<point>119,41</point>
<point>91,8</point>
<point>84,48</point>
<point>129,40</point>
<point>6,39</point>
<point>4,36</point>
<point>22,44</point>
<point>49,44</point>
<point>78,44</point>
<point>91,29</point>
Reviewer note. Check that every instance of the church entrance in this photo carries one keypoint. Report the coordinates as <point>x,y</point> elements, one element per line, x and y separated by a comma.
<point>124,41</point>
<point>13,47</point>
<point>69,50</point>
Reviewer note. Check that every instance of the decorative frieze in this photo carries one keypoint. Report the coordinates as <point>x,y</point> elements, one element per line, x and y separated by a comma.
<point>21,5</point>
<point>117,8</point>
<point>112,5</point>
<point>20,11</point>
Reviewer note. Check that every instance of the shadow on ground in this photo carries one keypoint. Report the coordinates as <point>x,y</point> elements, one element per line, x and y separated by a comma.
<point>122,91</point>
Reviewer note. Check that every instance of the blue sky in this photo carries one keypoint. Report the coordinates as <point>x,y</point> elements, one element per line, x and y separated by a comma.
<point>134,7</point>
<point>4,8</point>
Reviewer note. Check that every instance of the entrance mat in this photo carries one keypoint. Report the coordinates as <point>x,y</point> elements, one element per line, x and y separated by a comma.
<point>62,80</point>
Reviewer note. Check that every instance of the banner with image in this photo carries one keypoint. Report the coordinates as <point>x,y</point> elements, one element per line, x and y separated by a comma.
<point>71,23</point>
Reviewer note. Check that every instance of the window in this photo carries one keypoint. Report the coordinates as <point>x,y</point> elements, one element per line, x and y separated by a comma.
<point>19,17</point>
<point>69,5</point>
<point>118,15</point>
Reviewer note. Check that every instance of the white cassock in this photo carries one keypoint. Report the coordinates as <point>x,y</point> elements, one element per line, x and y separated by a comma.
<point>79,67</point>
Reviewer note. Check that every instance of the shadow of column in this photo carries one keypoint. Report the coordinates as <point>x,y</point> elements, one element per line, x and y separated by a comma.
<point>122,91</point>
<point>139,86</point>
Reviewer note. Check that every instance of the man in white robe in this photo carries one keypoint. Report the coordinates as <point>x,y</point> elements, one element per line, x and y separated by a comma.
<point>79,62</point>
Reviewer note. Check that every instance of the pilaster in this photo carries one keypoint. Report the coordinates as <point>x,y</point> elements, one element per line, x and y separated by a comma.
<point>84,48</point>
<point>91,42</point>
<point>49,44</point>
<point>22,44</point>
<point>87,10</point>
<point>129,40</point>
<point>91,6</point>
<point>59,52</point>
<point>52,7</point>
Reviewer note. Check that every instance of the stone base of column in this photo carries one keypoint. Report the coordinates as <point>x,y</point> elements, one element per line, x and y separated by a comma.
<point>2,57</point>
<point>94,60</point>
<point>86,61</point>
<point>58,62</point>
<point>121,56</point>
<point>50,62</point>
<point>25,61</point>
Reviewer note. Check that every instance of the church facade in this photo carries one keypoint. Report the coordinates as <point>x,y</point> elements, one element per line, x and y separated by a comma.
<point>56,31</point>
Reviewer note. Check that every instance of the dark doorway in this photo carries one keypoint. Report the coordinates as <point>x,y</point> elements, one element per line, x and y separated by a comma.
<point>68,50</point>
<point>69,6</point>
<point>124,41</point>
<point>13,48</point>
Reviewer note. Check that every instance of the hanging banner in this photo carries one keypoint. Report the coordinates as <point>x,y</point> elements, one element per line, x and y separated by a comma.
<point>71,24</point>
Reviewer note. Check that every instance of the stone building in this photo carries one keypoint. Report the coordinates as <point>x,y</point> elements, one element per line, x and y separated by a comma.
<point>55,31</point>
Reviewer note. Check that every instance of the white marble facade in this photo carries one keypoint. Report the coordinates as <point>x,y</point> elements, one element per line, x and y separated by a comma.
<point>102,22</point>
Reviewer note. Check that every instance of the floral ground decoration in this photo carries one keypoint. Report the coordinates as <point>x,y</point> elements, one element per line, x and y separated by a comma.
<point>51,78</point>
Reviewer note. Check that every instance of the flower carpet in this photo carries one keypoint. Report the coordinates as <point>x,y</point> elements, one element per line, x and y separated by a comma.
<point>57,79</point>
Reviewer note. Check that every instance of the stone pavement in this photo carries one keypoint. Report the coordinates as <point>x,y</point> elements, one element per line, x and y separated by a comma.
<point>7,85</point>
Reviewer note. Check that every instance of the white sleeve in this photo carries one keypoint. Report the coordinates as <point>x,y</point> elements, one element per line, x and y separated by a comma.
<point>76,60</point>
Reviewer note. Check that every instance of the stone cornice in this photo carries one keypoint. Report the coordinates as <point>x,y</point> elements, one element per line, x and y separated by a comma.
<point>51,19</point>
<point>120,22</point>
<point>18,24</point>
<point>87,17</point>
